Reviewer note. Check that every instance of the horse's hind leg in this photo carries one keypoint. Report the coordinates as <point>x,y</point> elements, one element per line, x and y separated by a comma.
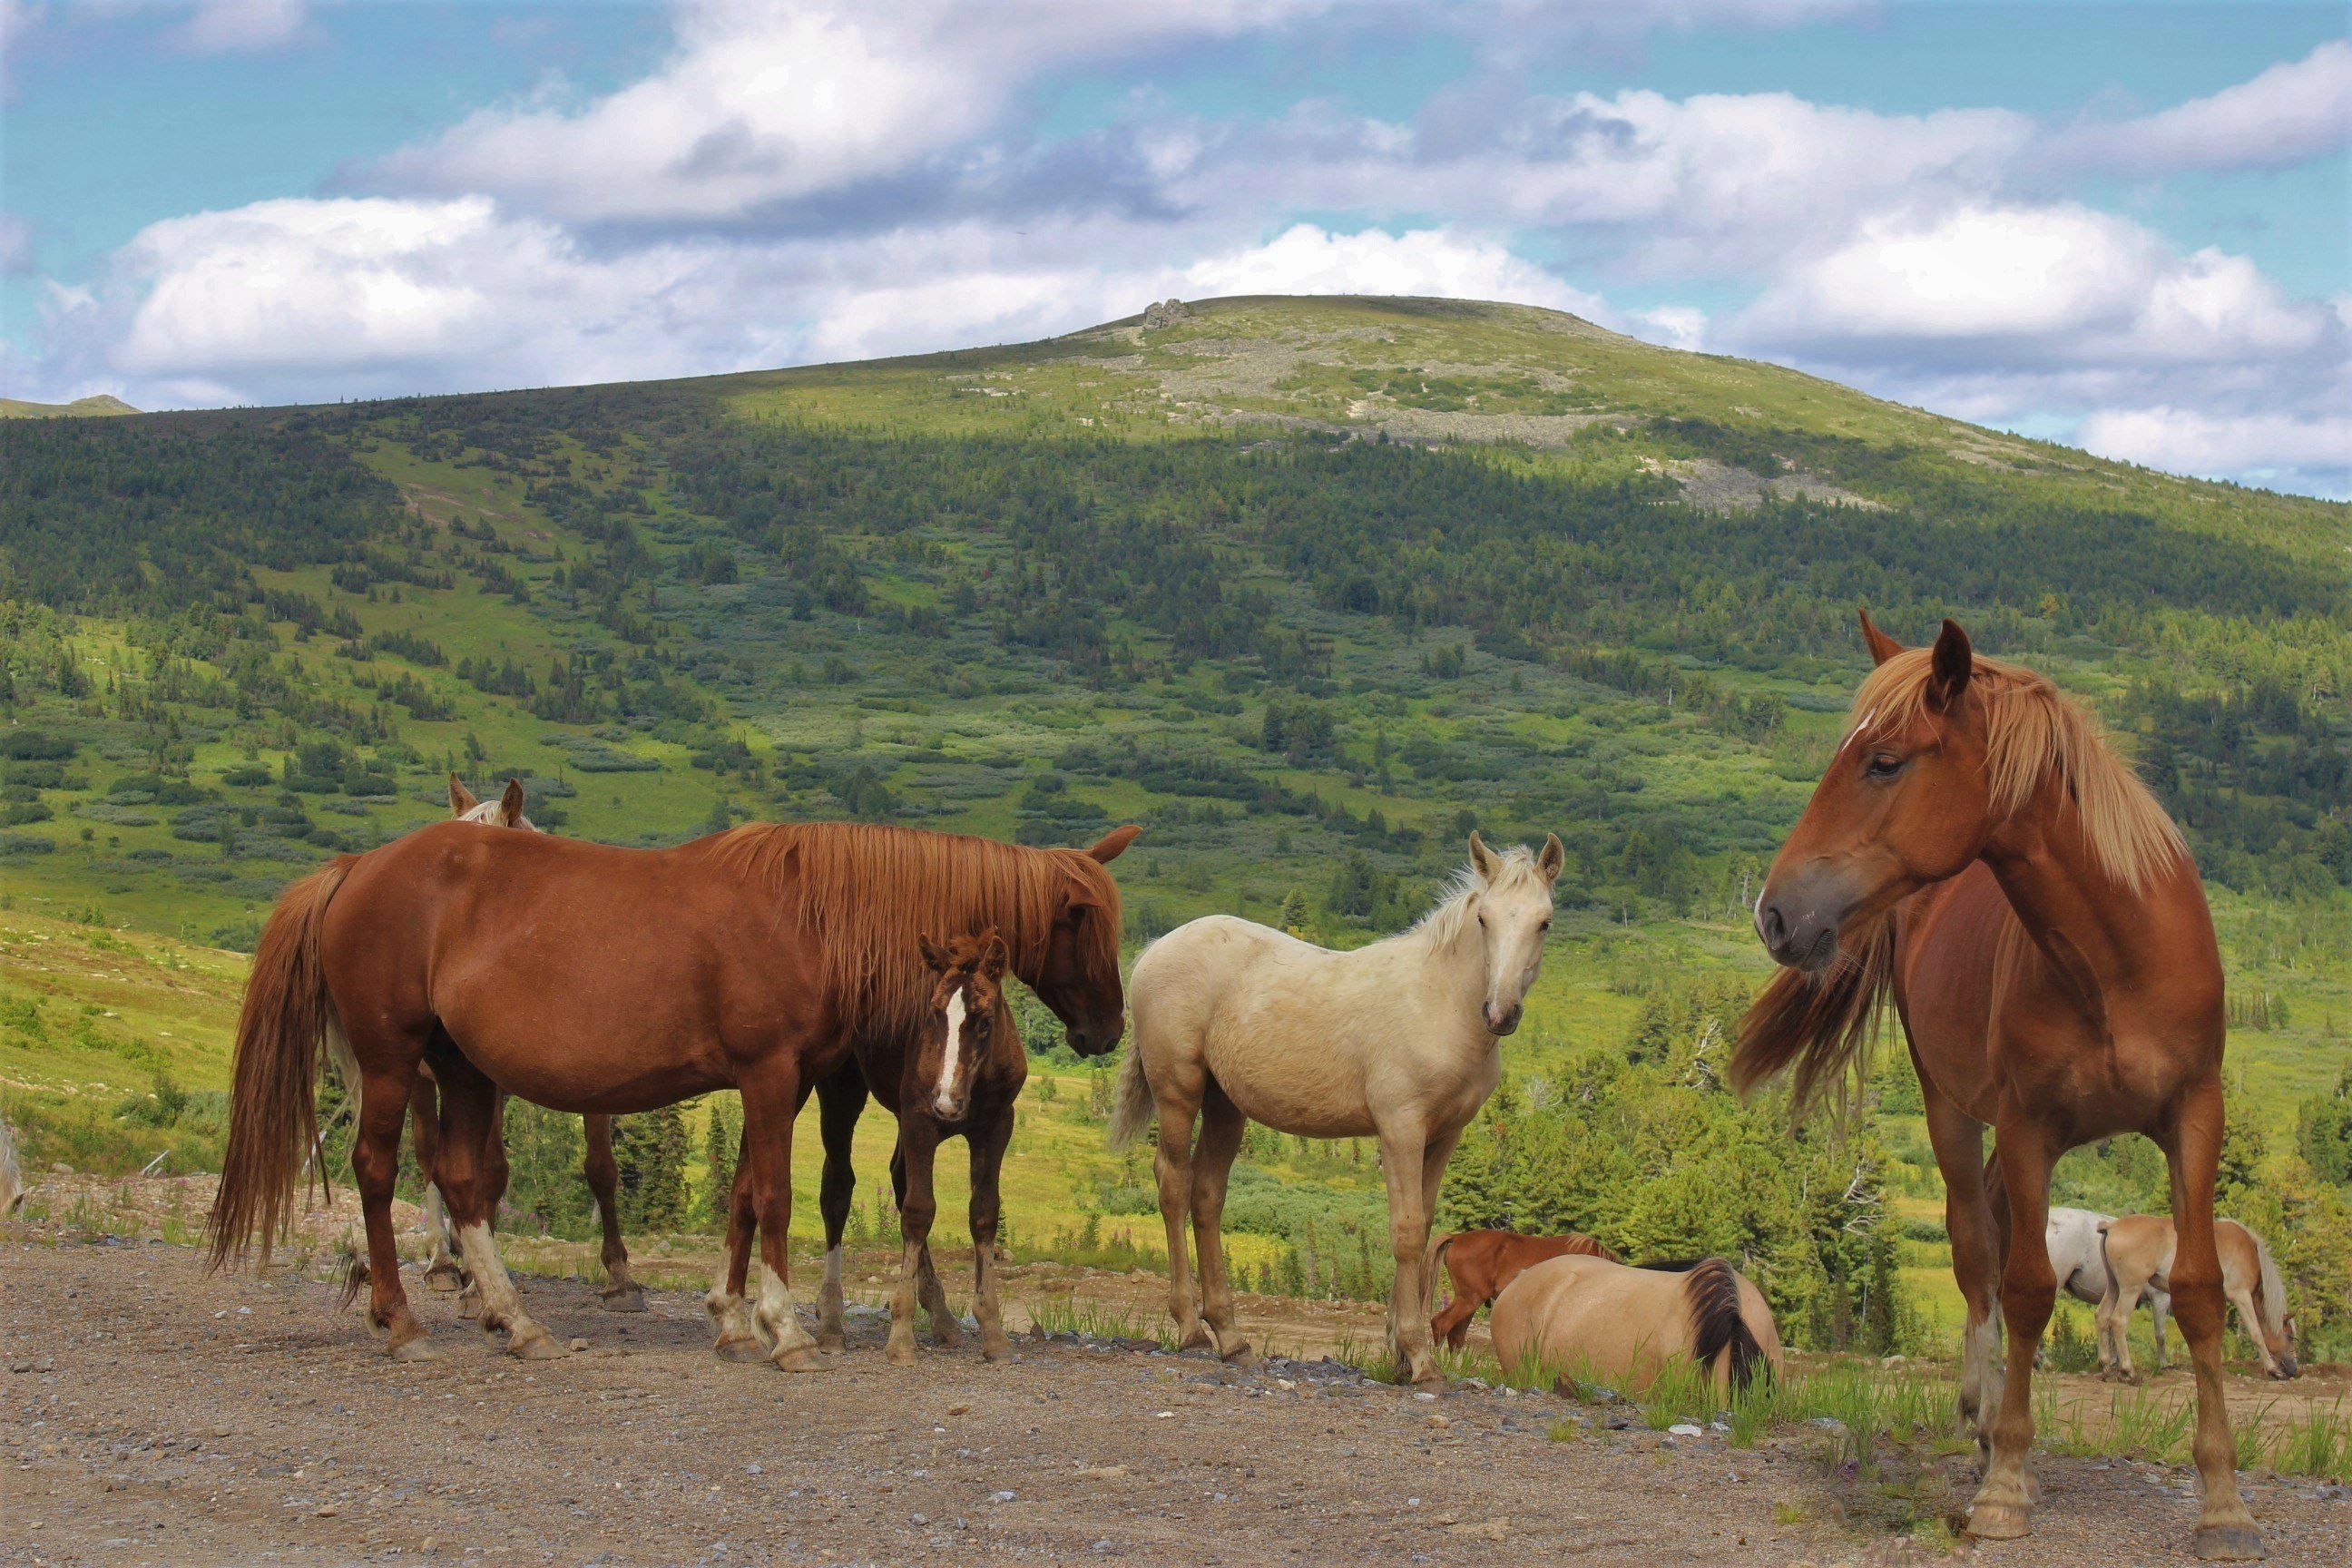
<point>2225,1531</point>
<point>441,1269</point>
<point>947,1328</point>
<point>2028,1290</point>
<point>1172,1163</point>
<point>622,1293</point>
<point>375,1167</point>
<point>738,1337</point>
<point>987,1210</point>
<point>1222,1126</point>
<point>2159,1312</point>
<point>470,1174</point>
<point>840,1100</point>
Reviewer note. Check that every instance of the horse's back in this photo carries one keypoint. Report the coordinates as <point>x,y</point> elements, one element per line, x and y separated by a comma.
<point>1586,1315</point>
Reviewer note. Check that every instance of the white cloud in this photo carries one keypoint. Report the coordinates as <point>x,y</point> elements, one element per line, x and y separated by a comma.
<point>241,26</point>
<point>2032,288</point>
<point>2291,113</point>
<point>761,103</point>
<point>2187,440</point>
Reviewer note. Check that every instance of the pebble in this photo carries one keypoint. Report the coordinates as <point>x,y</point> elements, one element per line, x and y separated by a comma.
<point>579,1344</point>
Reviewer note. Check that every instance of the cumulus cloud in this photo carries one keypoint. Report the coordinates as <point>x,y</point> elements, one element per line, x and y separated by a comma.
<point>2289,114</point>
<point>311,299</point>
<point>2187,440</point>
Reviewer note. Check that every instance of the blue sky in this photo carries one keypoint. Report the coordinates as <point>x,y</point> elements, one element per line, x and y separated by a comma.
<point>2124,225</point>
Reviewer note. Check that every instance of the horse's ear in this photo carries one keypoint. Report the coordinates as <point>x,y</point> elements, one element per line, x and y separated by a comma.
<point>1882,647</point>
<point>461,799</point>
<point>1112,845</point>
<point>994,956</point>
<point>1486,860</point>
<point>1554,856</point>
<point>933,955</point>
<point>1954,662</point>
<point>510,804</point>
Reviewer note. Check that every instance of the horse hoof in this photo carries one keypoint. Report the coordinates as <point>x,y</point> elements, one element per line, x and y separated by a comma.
<point>800,1358</point>
<point>831,1342</point>
<point>2229,1543</point>
<point>417,1349</point>
<point>1200,1338</point>
<point>2000,1521</point>
<point>900,1353</point>
<point>996,1348</point>
<point>444,1283</point>
<point>627,1299</point>
<point>740,1349</point>
<point>948,1335</point>
<point>541,1346</point>
<point>1239,1355</point>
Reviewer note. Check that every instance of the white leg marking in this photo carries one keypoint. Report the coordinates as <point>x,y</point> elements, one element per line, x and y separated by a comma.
<point>774,1314</point>
<point>502,1307</point>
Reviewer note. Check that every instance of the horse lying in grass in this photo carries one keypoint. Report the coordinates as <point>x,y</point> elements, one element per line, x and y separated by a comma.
<point>1601,1320</point>
<point>2138,1254</point>
<point>1977,853</point>
<point>442,1271</point>
<point>1237,1021</point>
<point>1480,1263</point>
<point>2080,1262</point>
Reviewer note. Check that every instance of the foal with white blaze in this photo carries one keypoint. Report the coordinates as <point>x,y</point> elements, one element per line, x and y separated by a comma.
<point>1236,1022</point>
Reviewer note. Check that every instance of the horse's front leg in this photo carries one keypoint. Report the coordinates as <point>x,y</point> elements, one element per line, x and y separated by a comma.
<point>947,1328</point>
<point>1403,1151</point>
<point>1959,1143</point>
<point>2225,1531</point>
<point>919,1140</point>
<point>988,1145</point>
<point>1433,1161</point>
<point>622,1293</point>
<point>2028,1290</point>
<point>771,1096</point>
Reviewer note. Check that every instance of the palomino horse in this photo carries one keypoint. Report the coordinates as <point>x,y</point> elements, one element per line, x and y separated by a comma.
<point>2080,1265</point>
<point>1479,1263</point>
<point>1399,1039</point>
<point>442,1270</point>
<point>2139,1256</point>
<point>1597,1319</point>
<point>590,978</point>
<point>1978,850</point>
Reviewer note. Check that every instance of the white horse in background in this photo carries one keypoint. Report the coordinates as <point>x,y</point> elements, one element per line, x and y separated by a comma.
<point>2080,1262</point>
<point>1236,1022</point>
<point>12,1177</point>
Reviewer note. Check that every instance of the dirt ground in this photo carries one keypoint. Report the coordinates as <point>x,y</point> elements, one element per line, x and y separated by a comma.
<point>157,1415</point>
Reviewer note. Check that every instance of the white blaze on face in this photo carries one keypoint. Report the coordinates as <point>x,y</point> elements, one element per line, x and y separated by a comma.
<point>943,1101</point>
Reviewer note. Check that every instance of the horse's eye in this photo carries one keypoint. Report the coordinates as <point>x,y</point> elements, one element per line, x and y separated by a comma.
<point>1882,766</point>
<point>1546,926</point>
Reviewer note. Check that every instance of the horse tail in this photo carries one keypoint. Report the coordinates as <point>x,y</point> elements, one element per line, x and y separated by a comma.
<point>1712,1291</point>
<point>1820,1025</point>
<point>273,1116</point>
<point>1131,1106</point>
<point>1433,1258</point>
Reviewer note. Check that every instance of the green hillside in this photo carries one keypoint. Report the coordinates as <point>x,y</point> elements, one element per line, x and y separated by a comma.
<point>1309,587</point>
<point>98,407</point>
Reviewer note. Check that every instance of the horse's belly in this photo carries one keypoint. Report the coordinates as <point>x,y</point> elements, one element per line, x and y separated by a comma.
<point>1312,1096</point>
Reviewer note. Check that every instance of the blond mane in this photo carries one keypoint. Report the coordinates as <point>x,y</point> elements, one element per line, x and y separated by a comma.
<point>1442,924</point>
<point>2033,732</point>
<point>869,892</point>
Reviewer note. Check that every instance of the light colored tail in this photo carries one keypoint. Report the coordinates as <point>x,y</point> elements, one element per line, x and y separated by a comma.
<point>1132,1106</point>
<point>1433,1258</point>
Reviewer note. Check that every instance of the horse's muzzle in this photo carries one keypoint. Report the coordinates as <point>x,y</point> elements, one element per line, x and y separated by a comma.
<point>1799,924</point>
<point>1502,1020</point>
<point>2288,1367</point>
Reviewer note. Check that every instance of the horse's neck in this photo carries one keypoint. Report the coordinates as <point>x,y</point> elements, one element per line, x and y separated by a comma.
<point>1453,966</point>
<point>2098,935</point>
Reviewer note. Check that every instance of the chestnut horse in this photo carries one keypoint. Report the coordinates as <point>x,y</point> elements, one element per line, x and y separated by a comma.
<point>1978,851</point>
<point>1479,1263</point>
<point>442,1271</point>
<point>590,978</point>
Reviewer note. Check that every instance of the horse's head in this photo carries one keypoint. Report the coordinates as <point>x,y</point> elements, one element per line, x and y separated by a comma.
<point>1079,976</point>
<point>1906,802</point>
<point>967,1016</point>
<point>1511,903</point>
<point>504,812</point>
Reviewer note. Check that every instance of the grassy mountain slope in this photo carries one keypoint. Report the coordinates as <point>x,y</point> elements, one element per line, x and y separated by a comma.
<point>97,407</point>
<point>1308,587</point>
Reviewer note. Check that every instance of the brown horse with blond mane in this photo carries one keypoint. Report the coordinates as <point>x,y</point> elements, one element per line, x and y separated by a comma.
<point>596,979</point>
<point>1977,852</point>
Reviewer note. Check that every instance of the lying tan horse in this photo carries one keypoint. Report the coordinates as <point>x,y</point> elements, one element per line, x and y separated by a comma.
<point>1480,1263</point>
<point>591,978</point>
<point>1596,1319</point>
<point>1236,1022</point>
<point>1977,852</point>
<point>2140,1250</point>
<point>442,1270</point>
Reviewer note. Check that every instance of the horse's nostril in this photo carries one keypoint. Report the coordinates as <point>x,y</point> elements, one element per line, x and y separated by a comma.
<point>1771,926</point>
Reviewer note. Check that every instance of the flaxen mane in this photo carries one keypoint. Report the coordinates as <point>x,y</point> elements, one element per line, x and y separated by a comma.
<point>1443,924</point>
<point>1825,1024</point>
<point>871,892</point>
